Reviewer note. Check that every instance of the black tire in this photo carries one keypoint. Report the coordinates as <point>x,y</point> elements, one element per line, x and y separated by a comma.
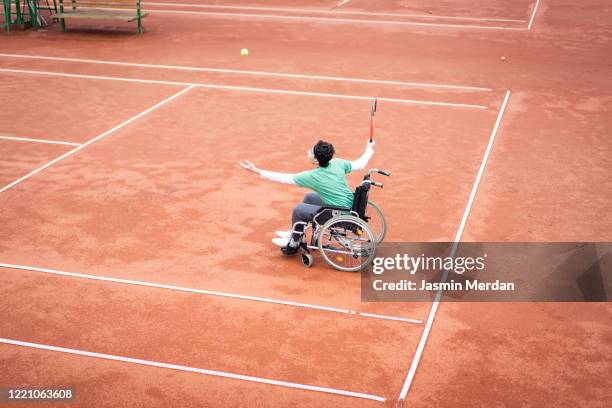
<point>307,260</point>
<point>377,221</point>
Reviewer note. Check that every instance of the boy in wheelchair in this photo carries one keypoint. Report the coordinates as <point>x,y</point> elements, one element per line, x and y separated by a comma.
<point>327,180</point>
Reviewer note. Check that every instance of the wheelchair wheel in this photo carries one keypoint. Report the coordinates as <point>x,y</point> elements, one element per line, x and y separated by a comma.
<point>347,243</point>
<point>377,221</point>
<point>307,260</point>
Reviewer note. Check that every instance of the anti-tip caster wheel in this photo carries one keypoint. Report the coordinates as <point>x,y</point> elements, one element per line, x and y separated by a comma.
<point>307,260</point>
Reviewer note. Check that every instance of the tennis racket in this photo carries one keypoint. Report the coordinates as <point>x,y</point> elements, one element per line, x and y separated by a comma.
<point>374,103</point>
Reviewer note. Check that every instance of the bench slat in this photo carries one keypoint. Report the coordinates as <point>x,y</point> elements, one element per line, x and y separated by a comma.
<point>98,4</point>
<point>123,15</point>
<point>77,2</point>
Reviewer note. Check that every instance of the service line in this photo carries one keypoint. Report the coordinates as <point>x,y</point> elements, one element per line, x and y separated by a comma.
<point>464,218</point>
<point>244,88</point>
<point>95,139</point>
<point>28,139</point>
<point>246,72</point>
<point>203,371</point>
<point>205,292</point>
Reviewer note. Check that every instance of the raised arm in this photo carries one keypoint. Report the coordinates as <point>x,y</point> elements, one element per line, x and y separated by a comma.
<point>362,162</point>
<point>285,178</point>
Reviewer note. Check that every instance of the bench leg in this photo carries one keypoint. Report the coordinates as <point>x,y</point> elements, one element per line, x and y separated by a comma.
<point>62,24</point>
<point>139,25</point>
<point>6,6</point>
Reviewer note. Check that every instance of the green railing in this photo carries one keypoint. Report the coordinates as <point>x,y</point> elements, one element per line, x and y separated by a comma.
<point>17,14</point>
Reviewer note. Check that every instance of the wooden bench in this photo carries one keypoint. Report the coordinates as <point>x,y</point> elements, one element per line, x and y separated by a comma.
<point>127,10</point>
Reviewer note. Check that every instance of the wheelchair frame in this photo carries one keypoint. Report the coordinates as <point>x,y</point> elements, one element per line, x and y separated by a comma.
<point>341,214</point>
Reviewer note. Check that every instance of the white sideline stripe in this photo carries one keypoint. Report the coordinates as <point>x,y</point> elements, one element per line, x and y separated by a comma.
<point>466,213</point>
<point>244,88</point>
<point>339,20</point>
<point>535,9</point>
<point>95,139</point>
<point>319,11</point>
<point>203,292</point>
<point>401,319</point>
<point>193,370</point>
<point>243,72</point>
<point>27,139</point>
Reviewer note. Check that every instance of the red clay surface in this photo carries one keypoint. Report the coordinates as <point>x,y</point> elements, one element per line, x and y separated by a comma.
<point>256,339</point>
<point>19,158</point>
<point>182,194</point>
<point>390,9</point>
<point>520,9</point>
<point>76,113</point>
<point>163,200</point>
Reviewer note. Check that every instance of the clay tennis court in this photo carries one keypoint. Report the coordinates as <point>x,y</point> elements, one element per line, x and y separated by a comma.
<point>135,253</point>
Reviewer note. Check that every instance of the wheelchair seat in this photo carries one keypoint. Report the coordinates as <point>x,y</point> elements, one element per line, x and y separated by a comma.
<point>360,203</point>
<point>333,207</point>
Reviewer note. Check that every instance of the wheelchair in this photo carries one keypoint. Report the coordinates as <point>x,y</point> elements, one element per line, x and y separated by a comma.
<point>346,237</point>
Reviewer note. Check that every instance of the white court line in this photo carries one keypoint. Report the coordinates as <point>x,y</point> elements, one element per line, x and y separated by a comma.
<point>335,11</point>
<point>27,139</point>
<point>401,319</point>
<point>204,292</point>
<point>244,88</point>
<point>466,213</point>
<point>535,9</point>
<point>193,370</point>
<point>336,20</point>
<point>342,3</point>
<point>243,72</point>
<point>95,139</point>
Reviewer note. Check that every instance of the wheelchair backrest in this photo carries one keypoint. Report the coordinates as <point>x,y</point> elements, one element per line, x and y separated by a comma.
<point>360,201</point>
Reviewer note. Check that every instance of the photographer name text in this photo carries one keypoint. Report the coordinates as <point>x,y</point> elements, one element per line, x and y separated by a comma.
<point>424,285</point>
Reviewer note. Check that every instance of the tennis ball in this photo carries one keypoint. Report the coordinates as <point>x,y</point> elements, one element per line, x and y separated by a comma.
<point>503,58</point>
<point>244,52</point>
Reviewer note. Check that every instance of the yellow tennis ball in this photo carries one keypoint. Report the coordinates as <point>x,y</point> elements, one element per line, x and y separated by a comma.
<point>244,51</point>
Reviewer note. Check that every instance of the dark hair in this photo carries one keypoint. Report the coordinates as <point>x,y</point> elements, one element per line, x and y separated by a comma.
<point>323,152</point>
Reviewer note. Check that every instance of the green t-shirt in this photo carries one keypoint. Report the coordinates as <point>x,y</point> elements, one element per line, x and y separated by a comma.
<point>329,182</point>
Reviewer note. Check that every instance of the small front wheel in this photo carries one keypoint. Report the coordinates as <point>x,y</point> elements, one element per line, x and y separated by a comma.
<point>307,260</point>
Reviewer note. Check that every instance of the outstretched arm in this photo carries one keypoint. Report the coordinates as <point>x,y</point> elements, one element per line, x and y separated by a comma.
<point>285,178</point>
<point>362,162</point>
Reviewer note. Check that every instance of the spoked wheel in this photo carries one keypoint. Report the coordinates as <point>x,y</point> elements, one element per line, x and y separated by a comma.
<point>347,243</point>
<point>376,221</point>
